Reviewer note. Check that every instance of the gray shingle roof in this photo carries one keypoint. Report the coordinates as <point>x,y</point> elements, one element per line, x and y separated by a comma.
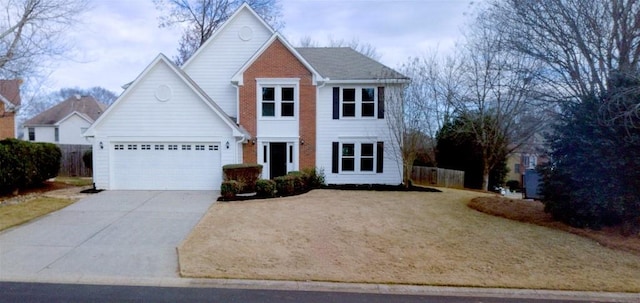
<point>86,105</point>
<point>344,63</point>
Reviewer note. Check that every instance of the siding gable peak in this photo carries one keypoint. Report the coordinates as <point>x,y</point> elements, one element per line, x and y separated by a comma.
<point>243,8</point>
<point>161,59</point>
<point>238,78</point>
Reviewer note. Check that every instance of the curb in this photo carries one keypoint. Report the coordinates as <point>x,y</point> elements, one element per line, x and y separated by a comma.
<point>392,289</point>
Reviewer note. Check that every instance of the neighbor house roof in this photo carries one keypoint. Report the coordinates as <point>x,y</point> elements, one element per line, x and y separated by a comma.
<point>10,92</point>
<point>87,106</point>
<point>344,63</point>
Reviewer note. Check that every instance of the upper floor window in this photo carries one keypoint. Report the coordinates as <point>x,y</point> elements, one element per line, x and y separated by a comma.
<point>358,102</point>
<point>278,100</point>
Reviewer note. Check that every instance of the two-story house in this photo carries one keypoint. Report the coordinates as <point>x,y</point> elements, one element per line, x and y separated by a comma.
<point>65,122</point>
<point>9,105</point>
<point>248,96</point>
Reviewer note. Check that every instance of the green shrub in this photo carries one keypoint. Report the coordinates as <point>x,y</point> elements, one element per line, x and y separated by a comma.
<point>229,189</point>
<point>87,159</point>
<point>299,181</point>
<point>247,174</point>
<point>266,188</point>
<point>315,177</point>
<point>513,185</point>
<point>285,185</point>
<point>24,164</point>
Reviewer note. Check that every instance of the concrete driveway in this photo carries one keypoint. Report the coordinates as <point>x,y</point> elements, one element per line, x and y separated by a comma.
<point>114,235</point>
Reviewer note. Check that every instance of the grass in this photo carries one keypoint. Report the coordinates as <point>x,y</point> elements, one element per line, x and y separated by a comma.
<point>392,237</point>
<point>533,212</point>
<point>75,181</point>
<point>16,214</point>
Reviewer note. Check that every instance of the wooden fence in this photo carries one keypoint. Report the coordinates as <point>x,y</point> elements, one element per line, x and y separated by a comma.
<point>434,176</point>
<point>71,164</point>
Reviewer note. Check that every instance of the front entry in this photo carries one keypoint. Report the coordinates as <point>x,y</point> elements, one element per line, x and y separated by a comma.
<point>277,159</point>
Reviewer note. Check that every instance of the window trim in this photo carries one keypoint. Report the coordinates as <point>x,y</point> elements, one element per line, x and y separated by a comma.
<point>278,84</point>
<point>31,133</point>
<point>358,103</point>
<point>357,157</point>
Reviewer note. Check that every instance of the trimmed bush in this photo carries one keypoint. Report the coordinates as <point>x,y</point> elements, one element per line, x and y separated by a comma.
<point>315,177</point>
<point>299,181</point>
<point>246,174</point>
<point>24,164</point>
<point>266,188</point>
<point>229,189</point>
<point>285,185</point>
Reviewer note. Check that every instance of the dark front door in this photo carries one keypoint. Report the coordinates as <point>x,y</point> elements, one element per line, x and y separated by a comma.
<point>277,159</point>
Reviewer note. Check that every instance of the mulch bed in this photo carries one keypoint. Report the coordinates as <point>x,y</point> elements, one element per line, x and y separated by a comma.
<point>374,187</point>
<point>533,212</point>
<point>44,187</point>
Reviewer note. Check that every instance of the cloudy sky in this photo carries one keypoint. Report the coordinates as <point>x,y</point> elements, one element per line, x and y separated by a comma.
<point>117,39</point>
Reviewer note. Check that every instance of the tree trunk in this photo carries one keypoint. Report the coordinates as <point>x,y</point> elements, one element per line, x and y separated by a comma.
<point>485,178</point>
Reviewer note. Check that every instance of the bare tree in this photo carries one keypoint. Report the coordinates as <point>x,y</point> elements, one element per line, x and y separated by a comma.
<point>31,33</point>
<point>497,97</point>
<point>428,98</point>
<point>580,41</point>
<point>200,18</point>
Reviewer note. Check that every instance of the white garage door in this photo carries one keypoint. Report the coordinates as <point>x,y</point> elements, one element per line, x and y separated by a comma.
<point>166,166</point>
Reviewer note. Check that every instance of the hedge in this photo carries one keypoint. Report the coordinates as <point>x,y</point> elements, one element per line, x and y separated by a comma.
<point>24,164</point>
<point>245,174</point>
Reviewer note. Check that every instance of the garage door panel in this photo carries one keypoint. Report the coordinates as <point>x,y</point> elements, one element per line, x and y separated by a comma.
<point>172,166</point>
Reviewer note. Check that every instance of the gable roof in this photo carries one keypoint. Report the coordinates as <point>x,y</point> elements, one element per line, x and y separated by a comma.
<point>162,59</point>
<point>237,78</point>
<point>10,93</point>
<point>344,63</point>
<point>86,106</point>
<point>226,23</point>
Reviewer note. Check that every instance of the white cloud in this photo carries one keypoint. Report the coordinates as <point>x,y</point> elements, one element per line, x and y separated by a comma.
<point>119,38</point>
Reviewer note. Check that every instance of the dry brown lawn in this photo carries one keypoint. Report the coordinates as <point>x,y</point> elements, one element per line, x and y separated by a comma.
<point>533,212</point>
<point>16,214</point>
<point>396,237</point>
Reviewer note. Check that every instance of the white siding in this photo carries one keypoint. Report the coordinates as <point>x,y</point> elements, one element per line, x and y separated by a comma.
<point>354,130</point>
<point>71,130</point>
<point>43,134</point>
<point>141,117</point>
<point>213,67</point>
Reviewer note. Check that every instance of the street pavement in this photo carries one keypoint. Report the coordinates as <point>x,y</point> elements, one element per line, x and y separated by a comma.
<point>129,238</point>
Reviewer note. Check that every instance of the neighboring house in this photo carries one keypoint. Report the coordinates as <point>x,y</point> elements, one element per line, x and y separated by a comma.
<point>9,105</point>
<point>65,122</point>
<point>248,96</point>
<point>529,156</point>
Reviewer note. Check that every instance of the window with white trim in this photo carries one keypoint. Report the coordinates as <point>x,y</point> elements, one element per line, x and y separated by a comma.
<point>357,157</point>
<point>278,101</point>
<point>357,102</point>
<point>56,134</point>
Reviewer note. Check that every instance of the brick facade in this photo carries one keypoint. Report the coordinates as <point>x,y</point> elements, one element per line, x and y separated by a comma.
<point>7,123</point>
<point>278,62</point>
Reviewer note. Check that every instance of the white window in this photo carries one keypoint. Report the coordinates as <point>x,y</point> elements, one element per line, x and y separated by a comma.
<point>56,134</point>
<point>358,157</point>
<point>358,102</point>
<point>159,147</point>
<point>132,146</point>
<point>278,98</point>
<point>173,147</point>
<point>32,134</point>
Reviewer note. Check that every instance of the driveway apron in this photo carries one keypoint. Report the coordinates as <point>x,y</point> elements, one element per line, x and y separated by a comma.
<point>113,234</point>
